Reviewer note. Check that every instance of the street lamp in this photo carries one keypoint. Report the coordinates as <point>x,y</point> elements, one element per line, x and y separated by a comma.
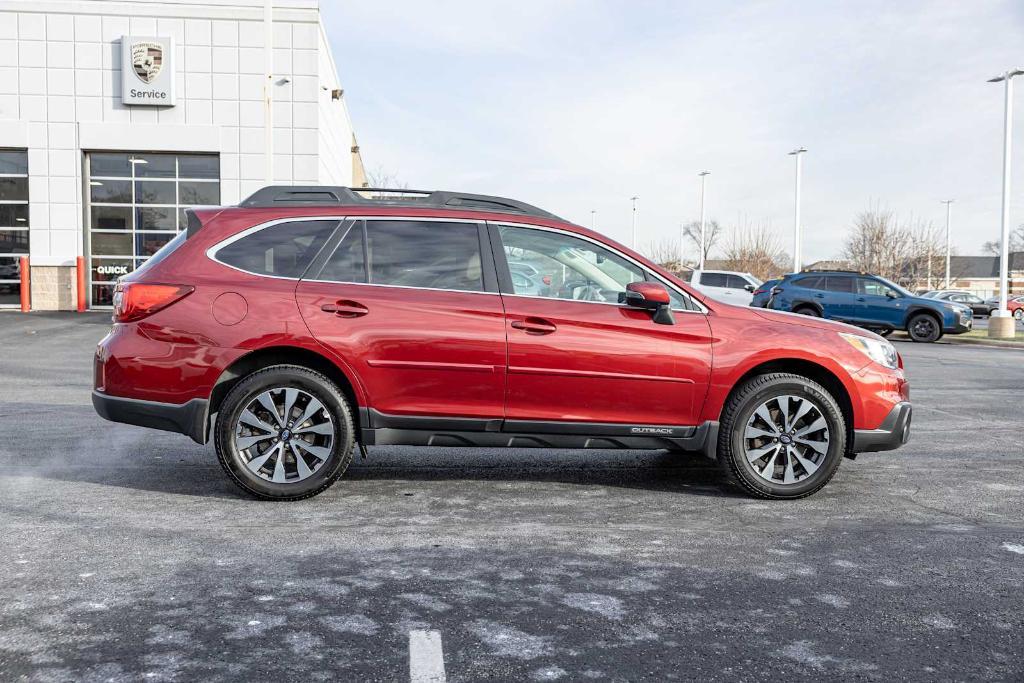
<point>703,177</point>
<point>798,152</point>
<point>948,203</point>
<point>633,199</point>
<point>593,219</point>
<point>1000,328</point>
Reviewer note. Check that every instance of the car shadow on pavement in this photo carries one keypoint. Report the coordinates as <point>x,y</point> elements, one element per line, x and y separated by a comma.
<point>202,477</point>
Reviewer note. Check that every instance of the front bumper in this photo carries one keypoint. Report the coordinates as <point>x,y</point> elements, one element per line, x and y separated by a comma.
<point>892,433</point>
<point>187,418</point>
<point>964,323</point>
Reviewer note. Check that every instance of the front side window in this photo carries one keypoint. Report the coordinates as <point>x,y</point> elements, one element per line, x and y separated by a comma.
<point>872,287</point>
<point>13,223</point>
<point>282,250</point>
<point>426,254</point>
<point>567,267</point>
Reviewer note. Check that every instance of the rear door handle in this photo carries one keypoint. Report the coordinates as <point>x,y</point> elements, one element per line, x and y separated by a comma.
<point>534,326</point>
<point>819,296</point>
<point>860,298</point>
<point>345,308</point>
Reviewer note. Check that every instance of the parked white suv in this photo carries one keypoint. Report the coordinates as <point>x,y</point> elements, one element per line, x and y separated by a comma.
<point>726,285</point>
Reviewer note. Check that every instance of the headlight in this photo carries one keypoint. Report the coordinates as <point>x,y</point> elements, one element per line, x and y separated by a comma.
<point>882,352</point>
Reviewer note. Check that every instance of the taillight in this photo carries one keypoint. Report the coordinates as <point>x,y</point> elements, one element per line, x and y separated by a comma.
<point>136,300</point>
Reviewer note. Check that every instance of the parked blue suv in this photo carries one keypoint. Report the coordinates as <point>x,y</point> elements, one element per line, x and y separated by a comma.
<point>869,301</point>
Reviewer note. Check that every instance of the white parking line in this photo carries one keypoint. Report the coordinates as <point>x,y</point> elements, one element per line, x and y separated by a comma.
<point>426,658</point>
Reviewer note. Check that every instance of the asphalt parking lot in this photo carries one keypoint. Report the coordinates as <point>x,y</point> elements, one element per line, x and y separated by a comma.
<point>127,555</point>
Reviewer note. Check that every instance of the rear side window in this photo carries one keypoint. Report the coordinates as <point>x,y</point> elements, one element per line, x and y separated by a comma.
<point>839,283</point>
<point>812,282</point>
<point>282,250</point>
<point>714,280</point>
<point>162,253</point>
<point>428,254</point>
<point>348,262</point>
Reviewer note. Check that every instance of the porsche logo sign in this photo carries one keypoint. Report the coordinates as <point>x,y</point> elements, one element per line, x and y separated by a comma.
<point>148,60</point>
<point>147,71</point>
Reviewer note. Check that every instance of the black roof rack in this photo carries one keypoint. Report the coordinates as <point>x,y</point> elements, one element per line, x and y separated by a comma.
<point>327,195</point>
<point>833,270</point>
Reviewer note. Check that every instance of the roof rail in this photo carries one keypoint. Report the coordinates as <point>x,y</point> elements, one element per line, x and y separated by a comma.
<point>834,270</point>
<point>326,195</point>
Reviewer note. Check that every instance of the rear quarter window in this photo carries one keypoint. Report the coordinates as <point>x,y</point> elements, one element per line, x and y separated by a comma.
<point>281,250</point>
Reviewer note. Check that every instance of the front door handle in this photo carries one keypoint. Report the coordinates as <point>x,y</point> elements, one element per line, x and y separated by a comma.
<point>534,326</point>
<point>819,296</point>
<point>860,298</point>
<point>344,308</point>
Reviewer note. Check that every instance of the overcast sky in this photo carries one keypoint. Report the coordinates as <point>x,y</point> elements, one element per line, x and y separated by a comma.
<point>577,106</point>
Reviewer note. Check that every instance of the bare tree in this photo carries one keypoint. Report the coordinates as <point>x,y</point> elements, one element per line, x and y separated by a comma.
<point>665,252</point>
<point>382,177</point>
<point>755,250</point>
<point>908,252</point>
<point>1016,243</point>
<point>712,234</point>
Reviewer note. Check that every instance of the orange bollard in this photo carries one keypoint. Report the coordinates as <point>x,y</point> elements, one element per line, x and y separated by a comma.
<point>80,272</point>
<point>25,292</point>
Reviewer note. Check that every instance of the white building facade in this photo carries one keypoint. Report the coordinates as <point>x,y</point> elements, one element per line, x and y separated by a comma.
<point>114,116</point>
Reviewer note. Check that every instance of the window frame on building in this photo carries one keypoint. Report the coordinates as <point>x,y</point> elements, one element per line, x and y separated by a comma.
<point>134,181</point>
<point>10,259</point>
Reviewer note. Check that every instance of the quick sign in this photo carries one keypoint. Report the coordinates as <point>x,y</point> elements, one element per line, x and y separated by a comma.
<point>147,71</point>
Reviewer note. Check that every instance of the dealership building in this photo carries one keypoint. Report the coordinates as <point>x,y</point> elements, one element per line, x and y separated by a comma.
<point>115,116</point>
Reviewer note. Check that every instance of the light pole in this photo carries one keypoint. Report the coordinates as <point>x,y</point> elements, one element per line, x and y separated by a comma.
<point>633,199</point>
<point>593,219</point>
<point>703,178</point>
<point>798,152</point>
<point>948,203</point>
<point>1000,329</point>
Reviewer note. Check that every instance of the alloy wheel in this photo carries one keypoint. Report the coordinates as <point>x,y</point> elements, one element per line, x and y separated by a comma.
<point>786,439</point>
<point>284,435</point>
<point>923,327</point>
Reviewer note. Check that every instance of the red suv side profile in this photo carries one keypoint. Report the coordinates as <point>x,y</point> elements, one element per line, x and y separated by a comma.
<point>309,321</point>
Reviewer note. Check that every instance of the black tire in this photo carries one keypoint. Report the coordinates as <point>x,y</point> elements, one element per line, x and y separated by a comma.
<point>807,310</point>
<point>306,380</point>
<point>924,328</point>
<point>732,459</point>
<point>1019,314</point>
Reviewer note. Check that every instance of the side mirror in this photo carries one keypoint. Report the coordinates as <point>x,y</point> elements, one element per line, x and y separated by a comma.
<point>649,296</point>
<point>749,288</point>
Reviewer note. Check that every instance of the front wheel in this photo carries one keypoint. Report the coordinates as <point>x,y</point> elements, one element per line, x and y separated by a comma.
<point>924,328</point>
<point>284,433</point>
<point>1019,314</point>
<point>781,436</point>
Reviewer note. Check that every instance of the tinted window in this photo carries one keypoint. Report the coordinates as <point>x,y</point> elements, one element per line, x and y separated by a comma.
<point>839,283</point>
<point>425,254</point>
<point>736,282</point>
<point>570,267</point>
<point>284,250</point>
<point>714,280</point>
<point>347,263</point>
<point>811,282</point>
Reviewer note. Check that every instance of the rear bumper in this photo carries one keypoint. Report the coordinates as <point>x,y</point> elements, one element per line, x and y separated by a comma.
<point>892,433</point>
<point>187,418</point>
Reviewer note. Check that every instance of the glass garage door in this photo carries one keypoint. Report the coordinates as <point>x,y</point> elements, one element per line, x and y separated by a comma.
<point>13,223</point>
<point>136,205</point>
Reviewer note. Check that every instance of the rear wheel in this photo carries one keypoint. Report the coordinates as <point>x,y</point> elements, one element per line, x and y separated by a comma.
<point>1019,314</point>
<point>923,327</point>
<point>808,310</point>
<point>781,436</point>
<point>284,433</point>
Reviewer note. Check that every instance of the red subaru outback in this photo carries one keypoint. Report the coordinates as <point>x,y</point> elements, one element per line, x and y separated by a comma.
<point>309,321</point>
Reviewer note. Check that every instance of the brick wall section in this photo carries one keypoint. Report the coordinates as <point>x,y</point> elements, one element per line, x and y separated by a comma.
<point>53,288</point>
